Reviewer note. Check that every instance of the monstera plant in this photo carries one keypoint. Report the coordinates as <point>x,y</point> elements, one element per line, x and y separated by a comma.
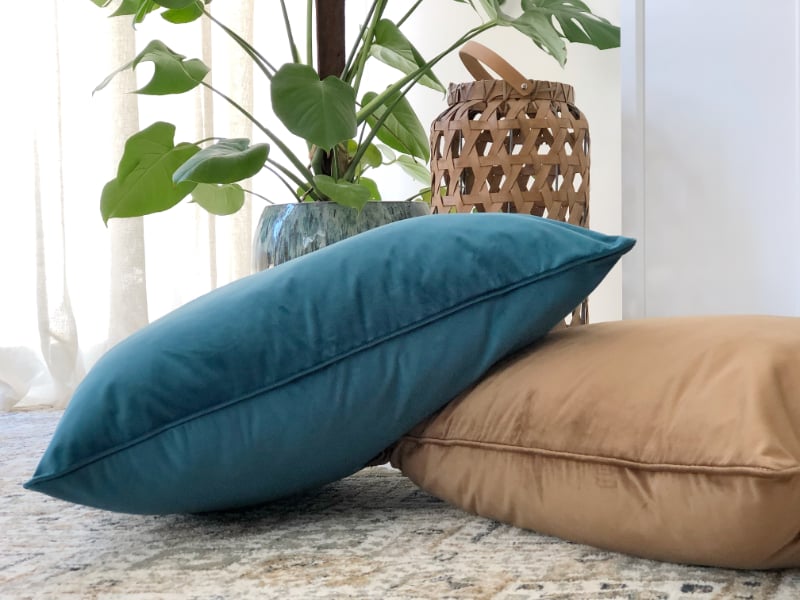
<point>319,94</point>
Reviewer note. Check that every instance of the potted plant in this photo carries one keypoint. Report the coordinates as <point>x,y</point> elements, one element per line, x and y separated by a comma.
<point>348,130</point>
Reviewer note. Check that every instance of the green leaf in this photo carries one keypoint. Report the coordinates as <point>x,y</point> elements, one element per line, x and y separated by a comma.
<point>425,194</point>
<point>372,186</point>
<point>393,48</point>
<point>538,26</point>
<point>321,112</point>
<point>144,178</point>
<point>146,6</point>
<point>372,156</point>
<point>402,129</point>
<point>577,22</point>
<point>179,11</point>
<point>492,8</point>
<point>132,7</point>
<point>226,161</point>
<point>172,74</point>
<point>388,154</point>
<point>190,13</point>
<point>175,4</point>
<point>416,170</point>
<point>345,193</point>
<point>219,199</point>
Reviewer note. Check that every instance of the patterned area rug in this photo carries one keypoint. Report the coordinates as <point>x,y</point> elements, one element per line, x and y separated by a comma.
<point>370,536</point>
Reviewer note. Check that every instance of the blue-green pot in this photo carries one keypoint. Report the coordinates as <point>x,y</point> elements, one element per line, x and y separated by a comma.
<point>286,231</point>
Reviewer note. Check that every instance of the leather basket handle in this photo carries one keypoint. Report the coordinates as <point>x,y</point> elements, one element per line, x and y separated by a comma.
<point>475,55</point>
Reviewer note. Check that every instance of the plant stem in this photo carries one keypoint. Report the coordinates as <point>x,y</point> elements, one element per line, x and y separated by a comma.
<point>367,110</point>
<point>366,43</point>
<point>302,169</point>
<point>408,81</point>
<point>295,179</point>
<point>348,68</point>
<point>306,187</point>
<point>208,139</point>
<point>330,37</point>
<point>264,198</point>
<point>309,27</point>
<point>290,37</point>
<point>330,56</point>
<point>272,170</point>
<point>409,13</point>
<point>419,193</point>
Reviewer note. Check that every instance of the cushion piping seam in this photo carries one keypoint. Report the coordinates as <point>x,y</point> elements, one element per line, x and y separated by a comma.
<point>404,330</point>
<point>607,460</point>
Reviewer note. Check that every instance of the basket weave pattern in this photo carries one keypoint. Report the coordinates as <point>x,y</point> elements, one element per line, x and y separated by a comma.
<point>493,150</point>
<point>511,145</point>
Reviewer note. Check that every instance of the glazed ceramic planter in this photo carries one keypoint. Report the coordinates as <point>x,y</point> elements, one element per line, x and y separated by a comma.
<point>286,231</point>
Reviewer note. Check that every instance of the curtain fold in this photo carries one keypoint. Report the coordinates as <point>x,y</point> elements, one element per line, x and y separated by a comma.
<point>204,128</point>
<point>70,286</point>
<point>241,80</point>
<point>128,272</point>
<point>58,332</point>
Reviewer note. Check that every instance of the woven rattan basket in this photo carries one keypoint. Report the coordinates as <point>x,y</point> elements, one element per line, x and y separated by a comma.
<point>511,145</point>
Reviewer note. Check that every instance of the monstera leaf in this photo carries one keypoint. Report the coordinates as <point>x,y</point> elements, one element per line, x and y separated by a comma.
<point>322,112</point>
<point>178,11</point>
<point>227,161</point>
<point>577,22</point>
<point>401,129</point>
<point>539,28</point>
<point>175,4</point>
<point>137,8</point>
<point>219,199</point>
<point>186,14</point>
<point>394,49</point>
<point>413,168</point>
<point>345,193</point>
<point>172,73</point>
<point>143,184</point>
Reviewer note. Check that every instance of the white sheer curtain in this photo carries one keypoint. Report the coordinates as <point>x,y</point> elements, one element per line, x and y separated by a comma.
<point>69,286</point>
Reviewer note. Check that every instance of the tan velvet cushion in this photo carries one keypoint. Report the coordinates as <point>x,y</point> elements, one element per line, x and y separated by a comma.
<point>675,439</point>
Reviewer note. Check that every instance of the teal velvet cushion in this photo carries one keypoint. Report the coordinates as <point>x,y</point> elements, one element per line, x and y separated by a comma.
<point>299,375</point>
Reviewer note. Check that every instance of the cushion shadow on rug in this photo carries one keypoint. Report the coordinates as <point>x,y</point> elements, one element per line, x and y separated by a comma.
<point>373,535</point>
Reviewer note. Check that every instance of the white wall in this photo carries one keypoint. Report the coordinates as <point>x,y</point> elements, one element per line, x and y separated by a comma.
<point>711,156</point>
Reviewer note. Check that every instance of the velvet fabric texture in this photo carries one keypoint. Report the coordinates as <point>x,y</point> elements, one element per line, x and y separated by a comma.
<point>297,376</point>
<point>675,439</point>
